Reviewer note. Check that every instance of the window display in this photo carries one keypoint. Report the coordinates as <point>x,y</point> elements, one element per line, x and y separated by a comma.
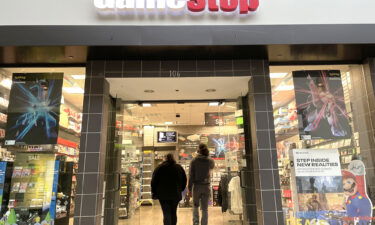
<point>324,144</point>
<point>39,183</point>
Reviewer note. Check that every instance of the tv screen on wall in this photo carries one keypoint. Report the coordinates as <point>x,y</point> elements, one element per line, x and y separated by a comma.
<point>167,136</point>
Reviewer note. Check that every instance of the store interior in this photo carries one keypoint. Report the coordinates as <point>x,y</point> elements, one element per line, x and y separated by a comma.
<point>167,115</point>
<point>31,173</point>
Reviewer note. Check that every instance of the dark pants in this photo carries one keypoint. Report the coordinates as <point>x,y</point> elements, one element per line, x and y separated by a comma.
<point>201,196</point>
<point>169,208</point>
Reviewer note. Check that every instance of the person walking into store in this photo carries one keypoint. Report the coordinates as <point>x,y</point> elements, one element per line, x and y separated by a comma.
<point>167,184</point>
<point>199,183</point>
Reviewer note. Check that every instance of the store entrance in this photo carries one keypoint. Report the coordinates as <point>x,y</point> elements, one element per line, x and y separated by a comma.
<point>160,116</point>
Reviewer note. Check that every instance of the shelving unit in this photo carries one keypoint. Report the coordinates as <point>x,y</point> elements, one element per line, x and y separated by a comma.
<point>147,168</point>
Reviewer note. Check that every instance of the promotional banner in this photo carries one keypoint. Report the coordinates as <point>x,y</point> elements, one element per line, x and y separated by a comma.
<point>318,191</point>
<point>219,119</point>
<point>34,109</point>
<point>316,162</point>
<point>321,105</point>
<point>325,193</point>
<point>187,145</point>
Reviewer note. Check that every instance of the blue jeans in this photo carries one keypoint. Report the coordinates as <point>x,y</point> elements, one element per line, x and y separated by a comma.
<point>201,196</point>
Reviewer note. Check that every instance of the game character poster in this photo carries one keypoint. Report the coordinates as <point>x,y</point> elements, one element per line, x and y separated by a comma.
<point>222,144</point>
<point>326,193</point>
<point>34,109</point>
<point>321,105</point>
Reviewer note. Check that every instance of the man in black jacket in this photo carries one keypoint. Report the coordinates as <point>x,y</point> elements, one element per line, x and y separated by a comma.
<point>200,183</point>
<point>168,183</point>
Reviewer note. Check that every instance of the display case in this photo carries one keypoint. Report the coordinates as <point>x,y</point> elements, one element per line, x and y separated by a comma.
<point>125,186</point>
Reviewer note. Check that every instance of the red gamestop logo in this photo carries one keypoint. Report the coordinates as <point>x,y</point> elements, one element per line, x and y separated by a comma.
<point>192,6</point>
<point>225,5</point>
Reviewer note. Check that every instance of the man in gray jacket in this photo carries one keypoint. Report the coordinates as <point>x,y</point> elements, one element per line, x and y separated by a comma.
<point>199,183</point>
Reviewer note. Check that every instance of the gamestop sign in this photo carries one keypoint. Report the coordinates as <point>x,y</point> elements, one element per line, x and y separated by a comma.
<point>190,6</point>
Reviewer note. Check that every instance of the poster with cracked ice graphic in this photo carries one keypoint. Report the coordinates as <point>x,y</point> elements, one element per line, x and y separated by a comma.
<point>220,144</point>
<point>321,105</point>
<point>34,109</point>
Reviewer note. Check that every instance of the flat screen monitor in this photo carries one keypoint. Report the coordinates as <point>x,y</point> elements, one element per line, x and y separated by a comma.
<point>167,136</point>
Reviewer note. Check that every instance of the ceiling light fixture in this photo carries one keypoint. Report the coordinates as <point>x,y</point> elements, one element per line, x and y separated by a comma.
<point>73,90</point>
<point>7,83</point>
<point>284,88</point>
<point>146,105</point>
<point>79,76</point>
<point>278,75</point>
<point>149,91</point>
<point>211,90</point>
<point>213,103</point>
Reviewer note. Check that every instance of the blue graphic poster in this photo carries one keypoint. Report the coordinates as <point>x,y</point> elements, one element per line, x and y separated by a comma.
<point>34,109</point>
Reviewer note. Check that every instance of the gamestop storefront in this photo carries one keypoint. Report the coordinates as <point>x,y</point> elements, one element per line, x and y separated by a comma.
<point>310,115</point>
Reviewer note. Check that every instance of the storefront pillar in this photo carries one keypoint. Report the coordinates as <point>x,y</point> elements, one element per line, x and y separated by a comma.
<point>263,154</point>
<point>91,172</point>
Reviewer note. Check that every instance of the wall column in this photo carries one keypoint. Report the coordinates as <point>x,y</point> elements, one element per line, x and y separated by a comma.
<point>91,171</point>
<point>263,147</point>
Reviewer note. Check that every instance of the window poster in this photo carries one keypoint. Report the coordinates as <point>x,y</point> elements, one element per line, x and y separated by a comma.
<point>33,190</point>
<point>34,109</point>
<point>321,105</point>
<point>220,144</point>
<point>326,194</point>
<point>188,144</point>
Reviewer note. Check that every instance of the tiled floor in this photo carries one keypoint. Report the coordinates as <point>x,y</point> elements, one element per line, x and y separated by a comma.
<point>152,215</point>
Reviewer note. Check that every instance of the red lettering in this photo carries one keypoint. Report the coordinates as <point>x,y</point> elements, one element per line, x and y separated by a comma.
<point>245,6</point>
<point>228,5</point>
<point>196,5</point>
<point>212,6</point>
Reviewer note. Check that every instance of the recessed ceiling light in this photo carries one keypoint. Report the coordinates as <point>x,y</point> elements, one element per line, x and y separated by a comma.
<point>73,90</point>
<point>213,103</point>
<point>211,90</point>
<point>79,76</point>
<point>146,105</point>
<point>168,123</point>
<point>278,75</point>
<point>284,88</point>
<point>7,83</point>
<point>149,91</point>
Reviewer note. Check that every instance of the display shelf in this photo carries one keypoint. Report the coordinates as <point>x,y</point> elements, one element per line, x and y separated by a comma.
<point>283,136</point>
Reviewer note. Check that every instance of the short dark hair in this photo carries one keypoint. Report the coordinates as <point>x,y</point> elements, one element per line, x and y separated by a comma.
<point>170,158</point>
<point>203,150</point>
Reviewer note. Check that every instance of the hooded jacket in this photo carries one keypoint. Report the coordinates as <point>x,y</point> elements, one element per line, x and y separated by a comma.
<point>168,182</point>
<point>200,168</point>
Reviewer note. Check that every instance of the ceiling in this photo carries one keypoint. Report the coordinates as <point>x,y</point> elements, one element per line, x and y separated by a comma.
<point>158,114</point>
<point>75,100</point>
<point>183,88</point>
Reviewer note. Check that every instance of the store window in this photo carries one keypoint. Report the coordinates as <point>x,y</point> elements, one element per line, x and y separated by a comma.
<point>325,143</point>
<point>40,127</point>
